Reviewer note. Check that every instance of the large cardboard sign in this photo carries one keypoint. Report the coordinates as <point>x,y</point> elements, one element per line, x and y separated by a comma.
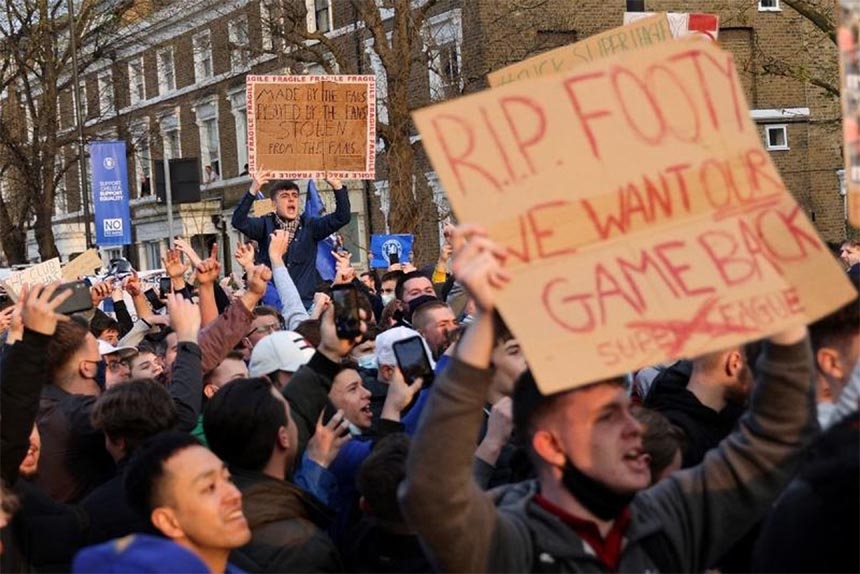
<point>643,33</point>
<point>41,274</point>
<point>301,127</point>
<point>848,41</point>
<point>643,220</point>
<point>83,264</point>
<point>683,24</point>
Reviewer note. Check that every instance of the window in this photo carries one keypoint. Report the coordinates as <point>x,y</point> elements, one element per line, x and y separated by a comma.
<point>635,5</point>
<point>142,158</point>
<point>170,135</point>
<point>443,38</point>
<point>82,92</point>
<point>210,149</point>
<point>202,47</point>
<point>152,253</point>
<point>776,137</point>
<point>240,119</point>
<point>107,104</point>
<point>319,15</point>
<point>268,23</point>
<point>166,72</point>
<point>237,31</point>
<point>768,5</point>
<point>136,81</point>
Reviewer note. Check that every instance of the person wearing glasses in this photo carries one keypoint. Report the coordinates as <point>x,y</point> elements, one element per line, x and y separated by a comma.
<point>117,365</point>
<point>266,321</point>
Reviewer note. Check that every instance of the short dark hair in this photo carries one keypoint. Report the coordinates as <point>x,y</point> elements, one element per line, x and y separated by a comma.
<point>134,411</point>
<point>660,438</point>
<point>241,422</point>
<point>279,184</point>
<point>310,330</point>
<point>68,339</point>
<point>144,477</point>
<point>836,328</point>
<point>420,314</point>
<point>503,332</point>
<point>380,475</point>
<point>389,275</point>
<point>101,323</point>
<point>401,282</point>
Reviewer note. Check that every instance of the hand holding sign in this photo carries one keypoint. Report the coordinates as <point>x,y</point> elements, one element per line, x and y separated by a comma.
<point>478,265</point>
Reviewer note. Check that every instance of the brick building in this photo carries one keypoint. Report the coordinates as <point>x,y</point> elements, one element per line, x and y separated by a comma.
<point>176,88</point>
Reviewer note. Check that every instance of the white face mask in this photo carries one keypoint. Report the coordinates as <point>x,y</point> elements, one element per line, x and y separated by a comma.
<point>387,298</point>
<point>367,362</point>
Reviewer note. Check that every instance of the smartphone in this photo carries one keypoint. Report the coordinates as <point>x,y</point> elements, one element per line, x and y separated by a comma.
<point>164,286</point>
<point>347,321</point>
<point>393,258</point>
<point>153,299</point>
<point>79,301</point>
<point>329,411</point>
<point>413,360</point>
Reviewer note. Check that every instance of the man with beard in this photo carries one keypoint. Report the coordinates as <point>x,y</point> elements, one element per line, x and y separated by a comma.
<point>709,406</point>
<point>589,510</point>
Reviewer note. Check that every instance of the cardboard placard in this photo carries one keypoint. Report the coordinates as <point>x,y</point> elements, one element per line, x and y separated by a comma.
<point>642,218</point>
<point>849,74</point>
<point>301,127</point>
<point>262,207</point>
<point>83,264</point>
<point>684,24</point>
<point>641,34</point>
<point>42,274</point>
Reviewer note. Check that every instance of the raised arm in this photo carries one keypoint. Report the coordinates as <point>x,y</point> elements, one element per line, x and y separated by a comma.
<point>186,379</point>
<point>292,308</point>
<point>208,272</point>
<point>322,227</point>
<point>252,227</point>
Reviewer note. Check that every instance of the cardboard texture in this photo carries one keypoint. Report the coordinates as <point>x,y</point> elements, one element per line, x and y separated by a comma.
<point>42,273</point>
<point>642,218</point>
<point>83,264</point>
<point>683,24</point>
<point>262,207</point>
<point>641,34</point>
<point>301,127</point>
<point>849,75</point>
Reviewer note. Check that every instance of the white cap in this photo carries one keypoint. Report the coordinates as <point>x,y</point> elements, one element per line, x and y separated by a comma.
<point>385,344</point>
<point>279,351</point>
<point>106,348</point>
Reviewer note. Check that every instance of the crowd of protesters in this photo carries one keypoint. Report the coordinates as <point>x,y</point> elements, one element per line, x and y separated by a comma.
<point>229,428</point>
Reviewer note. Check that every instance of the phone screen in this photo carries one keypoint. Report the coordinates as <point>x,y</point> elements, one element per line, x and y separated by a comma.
<point>393,258</point>
<point>347,321</point>
<point>412,360</point>
<point>164,285</point>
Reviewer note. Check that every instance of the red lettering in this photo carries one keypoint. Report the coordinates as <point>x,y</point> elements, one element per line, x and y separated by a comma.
<point>678,171</point>
<point>677,83</point>
<point>607,286</point>
<point>586,325</point>
<point>646,262</point>
<point>497,140</point>
<point>545,232</point>
<point>725,185</point>
<point>615,75</point>
<point>458,161</point>
<point>585,117</point>
<point>754,160</point>
<point>538,132</point>
<point>677,271</point>
<point>728,72</point>
<point>733,269</point>
<point>785,250</point>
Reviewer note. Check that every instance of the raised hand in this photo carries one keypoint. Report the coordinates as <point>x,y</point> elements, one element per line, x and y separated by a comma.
<point>331,345</point>
<point>132,284</point>
<point>186,248</point>
<point>245,255</point>
<point>101,291</point>
<point>478,265</point>
<point>257,279</point>
<point>38,312</point>
<point>334,182</point>
<point>400,395</point>
<point>174,264</point>
<point>328,439</point>
<point>260,178</point>
<point>344,271</point>
<point>279,243</point>
<point>184,317</point>
<point>209,270</point>
<point>6,317</point>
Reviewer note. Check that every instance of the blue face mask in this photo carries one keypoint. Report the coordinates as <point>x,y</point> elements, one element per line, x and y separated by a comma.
<point>367,362</point>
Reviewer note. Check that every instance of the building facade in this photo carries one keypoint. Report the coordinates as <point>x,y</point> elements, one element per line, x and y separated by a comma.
<point>176,89</point>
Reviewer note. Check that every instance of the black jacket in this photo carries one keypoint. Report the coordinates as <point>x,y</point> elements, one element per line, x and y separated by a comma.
<point>703,427</point>
<point>301,258</point>
<point>815,525</point>
<point>286,528</point>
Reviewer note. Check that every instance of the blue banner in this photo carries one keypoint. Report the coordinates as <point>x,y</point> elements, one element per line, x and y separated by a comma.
<point>314,207</point>
<point>110,193</point>
<point>382,246</point>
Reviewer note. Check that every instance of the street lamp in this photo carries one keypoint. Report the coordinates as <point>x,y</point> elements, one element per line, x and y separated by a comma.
<point>82,163</point>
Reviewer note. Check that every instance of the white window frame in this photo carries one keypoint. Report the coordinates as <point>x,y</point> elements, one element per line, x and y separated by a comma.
<point>136,79</point>
<point>266,21</point>
<point>237,33</point>
<point>773,128</point>
<point>238,107</point>
<point>107,96</point>
<point>166,84</point>
<point>142,153</point>
<point>201,46</point>
<point>152,253</point>
<point>769,6</point>
<point>312,15</point>
<point>169,123</point>
<point>206,118</point>
<point>439,31</point>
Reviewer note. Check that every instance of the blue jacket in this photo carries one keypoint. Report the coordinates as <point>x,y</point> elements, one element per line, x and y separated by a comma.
<point>301,256</point>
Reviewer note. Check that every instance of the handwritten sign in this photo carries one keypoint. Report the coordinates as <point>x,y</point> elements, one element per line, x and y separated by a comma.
<point>299,127</point>
<point>644,33</point>
<point>83,264</point>
<point>262,207</point>
<point>683,24</point>
<point>642,219</point>
<point>40,274</point>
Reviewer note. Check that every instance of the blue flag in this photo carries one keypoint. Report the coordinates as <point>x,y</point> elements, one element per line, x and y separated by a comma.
<point>314,207</point>
<point>382,247</point>
<point>110,193</point>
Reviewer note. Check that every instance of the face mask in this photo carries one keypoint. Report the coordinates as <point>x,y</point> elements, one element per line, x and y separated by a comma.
<point>367,362</point>
<point>387,298</point>
<point>101,372</point>
<point>593,495</point>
